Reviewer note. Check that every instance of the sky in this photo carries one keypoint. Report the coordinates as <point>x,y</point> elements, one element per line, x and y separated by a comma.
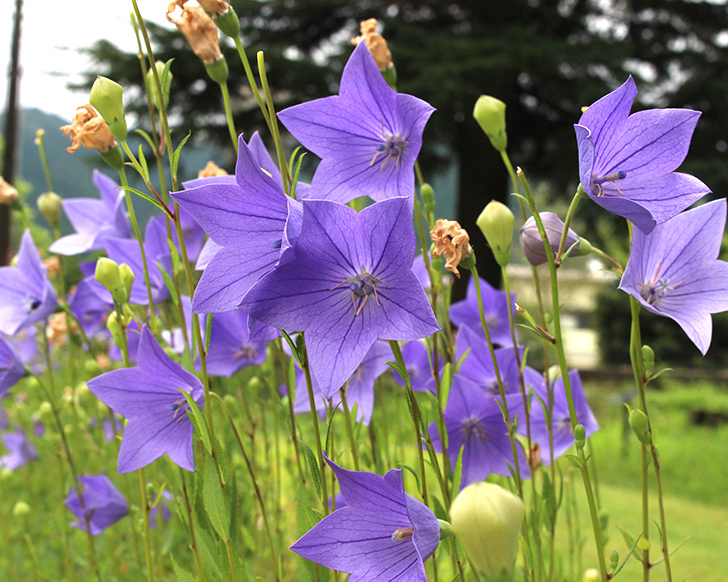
<point>52,33</point>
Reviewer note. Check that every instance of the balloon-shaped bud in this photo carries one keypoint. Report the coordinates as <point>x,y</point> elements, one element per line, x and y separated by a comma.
<point>487,520</point>
<point>107,98</point>
<point>640,426</point>
<point>165,80</point>
<point>50,205</point>
<point>490,113</point>
<point>531,241</point>
<point>648,359</point>
<point>109,275</point>
<point>496,224</point>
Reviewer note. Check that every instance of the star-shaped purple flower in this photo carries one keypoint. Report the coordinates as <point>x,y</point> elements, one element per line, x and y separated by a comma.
<point>350,283</point>
<point>253,221</point>
<point>381,535</point>
<point>478,365</point>
<point>674,271</point>
<point>419,367</point>
<point>12,368</point>
<point>368,136</point>
<point>149,396</point>
<point>20,450</point>
<point>475,422</point>
<point>27,295</point>
<point>104,504</point>
<point>94,220</point>
<point>495,308</point>
<point>627,162</point>
<point>230,347</point>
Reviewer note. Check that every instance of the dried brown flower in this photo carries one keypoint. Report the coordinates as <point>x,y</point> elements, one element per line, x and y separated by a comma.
<point>199,30</point>
<point>7,192</point>
<point>210,170</point>
<point>89,130</point>
<point>53,267</point>
<point>57,329</point>
<point>376,44</point>
<point>216,7</point>
<point>451,241</point>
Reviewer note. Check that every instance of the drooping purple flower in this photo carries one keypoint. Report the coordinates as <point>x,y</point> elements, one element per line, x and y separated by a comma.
<point>359,390</point>
<point>20,450</point>
<point>368,136</point>
<point>419,367</point>
<point>27,295</point>
<point>149,396</point>
<point>157,253</point>
<point>474,421</point>
<point>495,308</point>
<point>675,272</point>
<point>382,534</point>
<point>230,347</point>
<point>563,435</point>
<point>253,221</point>
<point>103,502</point>
<point>531,242</point>
<point>12,368</point>
<point>478,365</point>
<point>350,283</point>
<point>91,304</point>
<point>94,220</point>
<point>627,162</point>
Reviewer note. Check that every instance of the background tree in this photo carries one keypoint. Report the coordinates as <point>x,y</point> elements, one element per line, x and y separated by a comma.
<point>546,59</point>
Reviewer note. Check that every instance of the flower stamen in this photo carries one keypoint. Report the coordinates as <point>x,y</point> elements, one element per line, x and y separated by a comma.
<point>657,288</point>
<point>361,286</point>
<point>597,182</point>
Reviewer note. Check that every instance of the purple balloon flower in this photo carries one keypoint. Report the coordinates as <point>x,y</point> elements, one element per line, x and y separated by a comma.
<point>20,450</point>
<point>474,421</point>
<point>94,220</point>
<point>149,396</point>
<point>103,502</point>
<point>368,136</point>
<point>531,242</point>
<point>675,272</point>
<point>253,221</point>
<point>627,162</point>
<point>350,283</point>
<point>563,435</point>
<point>478,365</point>
<point>419,367</point>
<point>495,308</point>
<point>230,347</point>
<point>27,295</point>
<point>12,368</point>
<point>382,534</point>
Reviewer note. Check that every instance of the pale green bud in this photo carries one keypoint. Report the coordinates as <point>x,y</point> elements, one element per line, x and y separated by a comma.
<point>116,329</point>
<point>228,22</point>
<point>165,80</point>
<point>45,412</point>
<point>217,70</point>
<point>50,205</point>
<point>648,359</point>
<point>127,277</point>
<point>428,198</point>
<point>579,436</point>
<point>640,426</point>
<point>21,509</point>
<point>114,157</point>
<point>106,98</point>
<point>496,224</point>
<point>487,520</point>
<point>109,275</point>
<point>490,113</point>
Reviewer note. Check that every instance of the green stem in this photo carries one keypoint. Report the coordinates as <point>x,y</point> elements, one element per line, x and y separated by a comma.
<point>349,428</point>
<point>229,115</point>
<point>567,223</point>
<point>145,513</point>
<point>193,537</point>
<point>251,80</point>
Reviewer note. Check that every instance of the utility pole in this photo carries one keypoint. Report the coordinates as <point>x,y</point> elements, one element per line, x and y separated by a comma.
<point>11,132</point>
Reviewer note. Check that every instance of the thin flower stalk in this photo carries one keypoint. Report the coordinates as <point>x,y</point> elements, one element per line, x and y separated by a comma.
<point>565,374</point>
<point>251,80</point>
<point>190,521</point>
<point>349,428</point>
<point>279,362</point>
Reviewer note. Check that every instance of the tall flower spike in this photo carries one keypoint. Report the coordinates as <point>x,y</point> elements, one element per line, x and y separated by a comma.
<point>368,136</point>
<point>350,283</point>
<point>675,272</point>
<point>149,396</point>
<point>27,295</point>
<point>627,162</point>
<point>381,535</point>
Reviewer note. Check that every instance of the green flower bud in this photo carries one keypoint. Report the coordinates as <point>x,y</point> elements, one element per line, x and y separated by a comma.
<point>490,113</point>
<point>20,509</point>
<point>45,412</point>
<point>127,277</point>
<point>614,559</point>
<point>640,426</point>
<point>648,359</point>
<point>114,157</point>
<point>254,384</point>
<point>496,224</point>
<point>165,80</point>
<point>217,70</point>
<point>109,275</point>
<point>50,205</point>
<point>428,198</point>
<point>106,98</point>
<point>579,436</point>
<point>487,520</point>
<point>117,330</point>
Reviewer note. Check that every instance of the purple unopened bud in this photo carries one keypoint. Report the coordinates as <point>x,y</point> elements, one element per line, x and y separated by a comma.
<point>532,244</point>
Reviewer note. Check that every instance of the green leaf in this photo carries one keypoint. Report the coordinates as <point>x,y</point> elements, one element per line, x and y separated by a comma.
<point>143,195</point>
<point>146,137</point>
<point>313,466</point>
<point>411,470</point>
<point>198,421</point>
<point>174,161</point>
<point>401,371</point>
<point>208,331</point>
<point>575,461</point>
<point>632,544</point>
<point>168,283</point>
<point>143,163</point>
<point>214,502</point>
<point>180,573</point>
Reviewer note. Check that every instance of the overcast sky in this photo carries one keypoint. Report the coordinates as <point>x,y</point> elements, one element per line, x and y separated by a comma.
<point>52,33</point>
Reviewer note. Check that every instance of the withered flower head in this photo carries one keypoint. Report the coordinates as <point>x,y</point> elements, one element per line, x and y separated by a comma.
<point>216,7</point>
<point>375,42</point>
<point>199,30</point>
<point>57,329</point>
<point>210,170</point>
<point>451,241</point>
<point>53,267</point>
<point>7,192</point>
<point>89,130</point>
